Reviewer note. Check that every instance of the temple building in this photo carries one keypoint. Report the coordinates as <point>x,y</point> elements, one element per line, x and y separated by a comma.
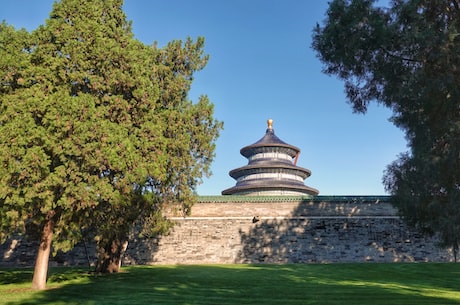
<point>271,170</point>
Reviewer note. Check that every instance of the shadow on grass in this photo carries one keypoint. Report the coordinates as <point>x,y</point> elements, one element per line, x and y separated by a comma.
<point>24,275</point>
<point>260,284</point>
<point>15,275</point>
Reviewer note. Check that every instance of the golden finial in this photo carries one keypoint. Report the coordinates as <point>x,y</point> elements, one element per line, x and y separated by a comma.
<point>270,123</point>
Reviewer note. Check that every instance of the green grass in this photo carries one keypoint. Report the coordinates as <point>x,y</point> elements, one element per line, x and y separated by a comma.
<point>423,283</point>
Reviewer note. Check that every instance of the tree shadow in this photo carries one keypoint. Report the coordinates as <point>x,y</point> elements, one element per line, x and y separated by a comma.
<point>353,230</point>
<point>15,275</point>
<point>55,275</point>
<point>248,284</point>
<point>141,250</point>
<point>19,251</point>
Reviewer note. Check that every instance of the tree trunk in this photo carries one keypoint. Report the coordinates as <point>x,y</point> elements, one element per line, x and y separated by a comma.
<point>43,256</point>
<point>109,256</point>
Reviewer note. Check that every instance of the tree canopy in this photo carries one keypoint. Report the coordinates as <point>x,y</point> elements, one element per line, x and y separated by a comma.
<point>96,129</point>
<point>406,57</point>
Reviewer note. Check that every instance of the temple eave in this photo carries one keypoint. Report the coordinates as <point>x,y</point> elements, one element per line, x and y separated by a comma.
<point>248,150</point>
<point>250,169</point>
<point>273,189</point>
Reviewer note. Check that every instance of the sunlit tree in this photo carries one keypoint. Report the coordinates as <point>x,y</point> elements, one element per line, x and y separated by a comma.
<point>96,130</point>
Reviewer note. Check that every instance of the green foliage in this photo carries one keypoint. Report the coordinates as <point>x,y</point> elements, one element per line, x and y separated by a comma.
<point>92,120</point>
<point>243,284</point>
<point>406,57</point>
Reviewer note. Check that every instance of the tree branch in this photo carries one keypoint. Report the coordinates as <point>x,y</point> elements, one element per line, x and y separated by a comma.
<point>399,57</point>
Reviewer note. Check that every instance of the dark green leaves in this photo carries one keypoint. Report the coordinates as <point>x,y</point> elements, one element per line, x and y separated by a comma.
<point>91,120</point>
<point>406,57</point>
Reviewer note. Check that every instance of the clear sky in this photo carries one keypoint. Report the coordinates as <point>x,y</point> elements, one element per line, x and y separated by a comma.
<point>262,66</point>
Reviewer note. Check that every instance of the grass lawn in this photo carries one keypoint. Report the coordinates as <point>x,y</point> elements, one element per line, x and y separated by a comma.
<point>423,283</point>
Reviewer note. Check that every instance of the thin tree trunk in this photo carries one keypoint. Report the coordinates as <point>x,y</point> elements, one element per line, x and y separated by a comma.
<point>455,250</point>
<point>87,255</point>
<point>43,256</point>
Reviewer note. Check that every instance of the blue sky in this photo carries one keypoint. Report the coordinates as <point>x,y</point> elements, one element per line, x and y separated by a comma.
<point>261,66</point>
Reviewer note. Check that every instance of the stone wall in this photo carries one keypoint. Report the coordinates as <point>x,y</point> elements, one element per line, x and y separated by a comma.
<point>260,230</point>
<point>238,229</point>
<point>20,252</point>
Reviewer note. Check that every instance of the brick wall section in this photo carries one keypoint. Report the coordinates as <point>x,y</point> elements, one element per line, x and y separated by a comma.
<point>348,229</point>
<point>267,230</point>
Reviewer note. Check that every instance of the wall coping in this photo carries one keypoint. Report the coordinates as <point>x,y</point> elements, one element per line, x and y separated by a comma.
<point>242,198</point>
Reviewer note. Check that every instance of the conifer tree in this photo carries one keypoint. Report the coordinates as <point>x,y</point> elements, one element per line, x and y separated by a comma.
<point>406,57</point>
<point>96,130</point>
